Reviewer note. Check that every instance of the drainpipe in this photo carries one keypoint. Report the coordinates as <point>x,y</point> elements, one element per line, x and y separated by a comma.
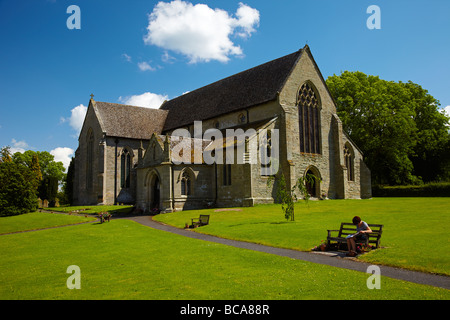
<point>115,172</point>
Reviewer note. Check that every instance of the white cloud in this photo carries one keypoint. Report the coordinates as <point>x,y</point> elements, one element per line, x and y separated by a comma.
<point>76,118</point>
<point>247,18</point>
<point>63,154</point>
<point>146,100</point>
<point>126,57</point>
<point>166,57</point>
<point>18,146</point>
<point>199,32</point>
<point>144,66</point>
<point>447,111</point>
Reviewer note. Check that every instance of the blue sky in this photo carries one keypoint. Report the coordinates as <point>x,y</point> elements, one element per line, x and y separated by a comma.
<point>142,52</point>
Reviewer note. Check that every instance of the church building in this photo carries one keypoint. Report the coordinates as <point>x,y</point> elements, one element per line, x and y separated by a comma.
<point>135,155</point>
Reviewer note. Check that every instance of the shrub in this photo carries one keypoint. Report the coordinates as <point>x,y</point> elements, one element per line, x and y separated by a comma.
<point>434,189</point>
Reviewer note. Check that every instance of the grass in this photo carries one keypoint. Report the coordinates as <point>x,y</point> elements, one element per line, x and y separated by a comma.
<point>38,220</point>
<point>93,209</point>
<point>415,234</point>
<point>125,260</point>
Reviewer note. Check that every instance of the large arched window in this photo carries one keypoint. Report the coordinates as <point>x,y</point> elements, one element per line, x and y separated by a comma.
<point>349,162</point>
<point>309,119</point>
<point>125,169</point>
<point>90,160</point>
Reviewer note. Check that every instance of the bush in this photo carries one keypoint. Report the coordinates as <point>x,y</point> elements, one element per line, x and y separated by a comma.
<point>435,189</point>
<point>17,189</point>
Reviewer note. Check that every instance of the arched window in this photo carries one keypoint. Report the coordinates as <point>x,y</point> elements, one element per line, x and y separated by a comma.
<point>185,184</point>
<point>125,169</point>
<point>90,160</point>
<point>349,163</point>
<point>309,119</point>
<point>266,153</point>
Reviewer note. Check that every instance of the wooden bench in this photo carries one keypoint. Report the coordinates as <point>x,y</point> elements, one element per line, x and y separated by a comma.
<point>203,220</point>
<point>349,228</point>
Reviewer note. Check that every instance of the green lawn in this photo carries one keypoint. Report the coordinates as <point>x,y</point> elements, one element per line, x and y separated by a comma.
<point>38,220</point>
<point>415,234</point>
<point>93,209</point>
<point>125,260</point>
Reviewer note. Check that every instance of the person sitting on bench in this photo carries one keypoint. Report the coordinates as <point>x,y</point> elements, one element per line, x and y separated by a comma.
<point>361,229</point>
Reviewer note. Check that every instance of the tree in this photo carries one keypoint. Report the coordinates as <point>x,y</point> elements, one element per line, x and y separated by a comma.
<point>68,183</point>
<point>287,197</point>
<point>36,170</point>
<point>49,167</point>
<point>5,154</point>
<point>396,125</point>
<point>49,190</point>
<point>430,157</point>
<point>17,189</point>
<point>52,172</point>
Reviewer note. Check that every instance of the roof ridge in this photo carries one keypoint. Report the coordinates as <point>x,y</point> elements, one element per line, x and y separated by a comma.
<point>236,74</point>
<point>242,90</point>
<point>129,105</point>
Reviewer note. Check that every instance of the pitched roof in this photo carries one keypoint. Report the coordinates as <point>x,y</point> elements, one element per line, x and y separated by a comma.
<point>118,120</point>
<point>248,88</point>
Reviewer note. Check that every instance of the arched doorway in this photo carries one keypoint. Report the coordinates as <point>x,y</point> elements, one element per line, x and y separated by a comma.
<point>313,185</point>
<point>154,192</point>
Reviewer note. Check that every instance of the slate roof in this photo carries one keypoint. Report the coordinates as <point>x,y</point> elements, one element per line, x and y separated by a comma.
<point>118,120</point>
<point>248,88</point>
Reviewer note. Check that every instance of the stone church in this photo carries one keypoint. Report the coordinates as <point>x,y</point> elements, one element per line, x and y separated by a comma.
<point>132,155</point>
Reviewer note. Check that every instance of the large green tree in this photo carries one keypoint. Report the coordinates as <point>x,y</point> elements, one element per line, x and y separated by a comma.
<point>17,186</point>
<point>49,167</point>
<point>397,125</point>
<point>68,182</point>
<point>52,172</point>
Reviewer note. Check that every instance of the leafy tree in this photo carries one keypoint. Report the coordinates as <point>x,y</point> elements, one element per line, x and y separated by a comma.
<point>397,125</point>
<point>68,183</point>
<point>52,172</point>
<point>5,154</point>
<point>49,190</point>
<point>47,163</point>
<point>431,154</point>
<point>287,197</point>
<point>17,189</point>
<point>36,170</point>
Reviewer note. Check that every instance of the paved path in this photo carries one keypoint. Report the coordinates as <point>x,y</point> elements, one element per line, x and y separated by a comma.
<point>335,261</point>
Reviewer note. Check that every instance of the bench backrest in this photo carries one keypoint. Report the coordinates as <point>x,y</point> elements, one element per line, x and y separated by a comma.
<point>374,237</point>
<point>204,219</point>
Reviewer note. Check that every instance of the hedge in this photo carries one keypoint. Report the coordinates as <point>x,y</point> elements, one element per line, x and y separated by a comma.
<point>438,189</point>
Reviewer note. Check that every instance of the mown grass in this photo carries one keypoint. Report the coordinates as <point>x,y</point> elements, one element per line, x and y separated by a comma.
<point>38,220</point>
<point>415,234</point>
<point>125,260</point>
<point>93,209</point>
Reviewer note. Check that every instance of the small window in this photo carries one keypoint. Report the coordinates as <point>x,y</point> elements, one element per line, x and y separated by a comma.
<point>185,184</point>
<point>267,154</point>
<point>227,174</point>
<point>348,158</point>
<point>154,151</point>
<point>242,118</point>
